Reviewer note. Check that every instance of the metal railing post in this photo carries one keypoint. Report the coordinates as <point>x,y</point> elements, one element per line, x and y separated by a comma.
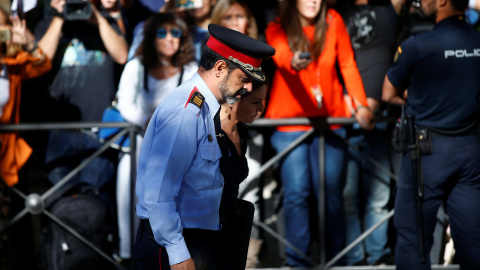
<point>133,177</point>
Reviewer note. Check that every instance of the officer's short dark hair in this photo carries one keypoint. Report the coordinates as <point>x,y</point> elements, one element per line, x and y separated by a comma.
<point>209,58</point>
<point>459,5</point>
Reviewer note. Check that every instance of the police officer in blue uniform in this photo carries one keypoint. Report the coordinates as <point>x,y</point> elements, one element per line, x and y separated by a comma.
<point>179,181</point>
<point>441,69</point>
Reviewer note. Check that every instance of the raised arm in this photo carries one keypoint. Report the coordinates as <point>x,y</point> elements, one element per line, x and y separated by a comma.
<point>51,38</point>
<point>115,43</point>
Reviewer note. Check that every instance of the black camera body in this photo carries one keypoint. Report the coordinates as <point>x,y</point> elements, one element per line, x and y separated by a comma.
<point>77,10</point>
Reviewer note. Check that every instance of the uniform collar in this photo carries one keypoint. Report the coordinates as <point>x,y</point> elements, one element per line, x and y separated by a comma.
<point>451,19</point>
<point>213,105</point>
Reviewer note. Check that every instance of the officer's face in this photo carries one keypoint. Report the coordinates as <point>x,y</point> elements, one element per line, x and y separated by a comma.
<point>429,7</point>
<point>251,106</point>
<point>234,85</point>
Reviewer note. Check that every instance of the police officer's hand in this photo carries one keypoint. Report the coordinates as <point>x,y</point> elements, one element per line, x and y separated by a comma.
<point>365,117</point>
<point>298,63</point>
<point>185,265</point>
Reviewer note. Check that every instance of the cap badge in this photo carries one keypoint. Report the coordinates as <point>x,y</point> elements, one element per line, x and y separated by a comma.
<point>246,66</point>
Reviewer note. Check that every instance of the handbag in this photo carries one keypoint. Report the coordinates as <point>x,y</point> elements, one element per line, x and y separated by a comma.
<point>111,114</point>
<point>244,211</point>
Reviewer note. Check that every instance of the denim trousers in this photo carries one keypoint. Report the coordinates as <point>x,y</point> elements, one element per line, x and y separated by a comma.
<point>299,172</point>
<point>367,193</point>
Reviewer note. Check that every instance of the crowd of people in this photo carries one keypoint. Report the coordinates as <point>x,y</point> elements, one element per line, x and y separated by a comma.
<point>318,59</point>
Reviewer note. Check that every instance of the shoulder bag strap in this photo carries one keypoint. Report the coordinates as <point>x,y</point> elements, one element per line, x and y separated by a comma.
<point>181,76</point>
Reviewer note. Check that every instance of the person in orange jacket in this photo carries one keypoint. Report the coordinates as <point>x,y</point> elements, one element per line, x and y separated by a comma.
<point>20,59</point>
<point>310,40</point>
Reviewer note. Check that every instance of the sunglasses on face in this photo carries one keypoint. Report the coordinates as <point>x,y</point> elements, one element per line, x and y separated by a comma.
<point>175,32</point>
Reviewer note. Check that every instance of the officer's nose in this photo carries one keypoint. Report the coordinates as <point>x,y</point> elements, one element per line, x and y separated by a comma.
<point>248,86</point>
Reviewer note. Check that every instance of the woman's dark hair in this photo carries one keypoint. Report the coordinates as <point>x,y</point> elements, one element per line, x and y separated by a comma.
<point>147,52</point>
<point>289,18</point>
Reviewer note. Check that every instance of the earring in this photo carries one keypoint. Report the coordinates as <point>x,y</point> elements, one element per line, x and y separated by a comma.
<point>227,110</point>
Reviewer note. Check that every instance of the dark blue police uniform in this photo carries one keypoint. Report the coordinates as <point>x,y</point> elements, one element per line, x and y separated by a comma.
<point>440,69</point>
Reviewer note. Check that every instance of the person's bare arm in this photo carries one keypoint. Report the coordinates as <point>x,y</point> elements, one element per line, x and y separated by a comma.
<point>51,38</point>
<point>392,94</point>
<point>185,265</point>
<point>115,43</point>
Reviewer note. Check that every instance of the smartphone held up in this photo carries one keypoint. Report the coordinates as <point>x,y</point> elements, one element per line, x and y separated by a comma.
<point>5,34</point>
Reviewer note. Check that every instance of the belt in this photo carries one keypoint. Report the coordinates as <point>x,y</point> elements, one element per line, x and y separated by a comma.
<point>436,134</point>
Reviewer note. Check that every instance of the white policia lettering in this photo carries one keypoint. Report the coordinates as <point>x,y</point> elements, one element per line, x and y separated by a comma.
<point>462,53</point>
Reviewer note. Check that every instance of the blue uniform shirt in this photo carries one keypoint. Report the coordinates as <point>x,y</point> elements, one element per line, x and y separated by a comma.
<point>441,69</point>
<point>179,183</point>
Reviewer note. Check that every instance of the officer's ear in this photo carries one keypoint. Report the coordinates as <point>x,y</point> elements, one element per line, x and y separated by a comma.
<point>443,3</point>
<point>220,67</point>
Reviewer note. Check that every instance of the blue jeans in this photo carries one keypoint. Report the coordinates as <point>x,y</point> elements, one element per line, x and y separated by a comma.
<point>299,172</point>
<point>367,193</point>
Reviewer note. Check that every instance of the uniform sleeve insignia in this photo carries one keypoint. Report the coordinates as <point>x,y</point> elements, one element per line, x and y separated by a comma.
<point>397,54</point>
<point>196,98</point>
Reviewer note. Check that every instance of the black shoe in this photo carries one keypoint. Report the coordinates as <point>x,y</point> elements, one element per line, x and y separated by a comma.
<point>386,259</point>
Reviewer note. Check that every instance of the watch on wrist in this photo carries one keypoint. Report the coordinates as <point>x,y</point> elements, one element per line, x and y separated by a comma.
<point>34,47</point>
<point>361,106</point>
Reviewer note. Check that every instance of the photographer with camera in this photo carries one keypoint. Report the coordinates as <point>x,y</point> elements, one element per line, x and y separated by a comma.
<point>86,48</point>
<point>440,70</point>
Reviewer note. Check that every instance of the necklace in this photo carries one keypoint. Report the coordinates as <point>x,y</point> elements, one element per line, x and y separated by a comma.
<point>164,62</point>
<point>168,69</point>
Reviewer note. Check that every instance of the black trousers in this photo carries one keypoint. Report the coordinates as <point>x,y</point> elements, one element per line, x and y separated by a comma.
<point>208,250</point>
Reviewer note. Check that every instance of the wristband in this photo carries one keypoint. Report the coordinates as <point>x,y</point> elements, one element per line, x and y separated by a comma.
<point>361,106</point>
<point>55,13</point>
<point>35,46</point>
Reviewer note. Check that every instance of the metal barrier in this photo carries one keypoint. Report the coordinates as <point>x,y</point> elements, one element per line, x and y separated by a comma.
<point>319,124</point>
<point>34,203</point>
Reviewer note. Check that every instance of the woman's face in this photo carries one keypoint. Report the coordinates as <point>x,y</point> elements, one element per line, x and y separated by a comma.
<point>251,106</point>
<point>167,41</point>
<point>108,4</point>
<point>309,9</point>
<point>236,18</point>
